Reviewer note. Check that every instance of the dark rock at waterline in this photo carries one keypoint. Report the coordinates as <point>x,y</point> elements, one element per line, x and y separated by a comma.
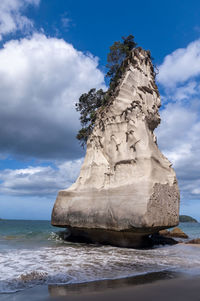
<point>176,232</point>
<point>194,241</point>
<point>158,239</point>
<point>107,237</point>
<point>118,239</point>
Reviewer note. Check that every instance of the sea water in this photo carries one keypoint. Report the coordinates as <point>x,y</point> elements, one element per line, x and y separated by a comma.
<point>32,253</point>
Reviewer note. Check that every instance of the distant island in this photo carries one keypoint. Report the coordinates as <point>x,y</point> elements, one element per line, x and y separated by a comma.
<point>187,219</point>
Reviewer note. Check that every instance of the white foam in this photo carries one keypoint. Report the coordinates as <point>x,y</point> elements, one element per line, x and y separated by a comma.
<point>73,263</point>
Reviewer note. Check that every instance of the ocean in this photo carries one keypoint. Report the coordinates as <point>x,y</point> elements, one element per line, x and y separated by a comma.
<point>32,253</point>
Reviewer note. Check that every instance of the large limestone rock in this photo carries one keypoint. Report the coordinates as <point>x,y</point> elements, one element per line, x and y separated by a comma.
<point>126,188</point>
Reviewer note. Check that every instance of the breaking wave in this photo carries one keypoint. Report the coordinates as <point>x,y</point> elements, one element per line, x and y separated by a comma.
<point>77,263</point>
<point>32,253</point>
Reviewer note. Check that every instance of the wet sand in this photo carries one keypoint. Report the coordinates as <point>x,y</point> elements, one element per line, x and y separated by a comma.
<point>165,286</point>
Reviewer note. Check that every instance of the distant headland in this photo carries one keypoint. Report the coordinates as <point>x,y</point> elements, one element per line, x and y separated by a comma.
<point>187,219</point>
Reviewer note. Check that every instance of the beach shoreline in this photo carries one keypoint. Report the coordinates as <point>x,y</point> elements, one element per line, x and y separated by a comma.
<point>165,285</point>
<point>37,265</point>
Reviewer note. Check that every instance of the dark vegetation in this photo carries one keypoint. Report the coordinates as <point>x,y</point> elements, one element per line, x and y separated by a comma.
<point>87,106</point>
<point>93,100</point>
<point>187,219</point>
<point>119,51</point>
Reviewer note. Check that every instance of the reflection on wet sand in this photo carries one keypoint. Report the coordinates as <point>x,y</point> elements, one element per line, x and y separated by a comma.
<point>105,285</point>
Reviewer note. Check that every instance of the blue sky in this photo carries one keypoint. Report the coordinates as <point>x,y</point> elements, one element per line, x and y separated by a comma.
<point>53,51</point>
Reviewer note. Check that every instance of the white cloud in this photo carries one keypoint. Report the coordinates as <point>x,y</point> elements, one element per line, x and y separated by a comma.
<point>178,135</point>
<point>12,18</point>
<point>178,138</point>
<point>40,180</point>
<point>181,65</point>
<point>40,80</point>
<point>186,91</point>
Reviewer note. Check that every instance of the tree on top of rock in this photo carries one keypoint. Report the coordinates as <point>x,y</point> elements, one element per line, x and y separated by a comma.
<point>91,101</point>
<point>118,52</point>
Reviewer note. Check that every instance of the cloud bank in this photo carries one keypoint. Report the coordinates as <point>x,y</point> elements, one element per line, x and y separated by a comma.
<point>39,181</point>
<point>41,78</point>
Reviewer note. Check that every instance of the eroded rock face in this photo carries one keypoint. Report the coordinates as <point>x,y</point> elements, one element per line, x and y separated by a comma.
<point>125,184</point>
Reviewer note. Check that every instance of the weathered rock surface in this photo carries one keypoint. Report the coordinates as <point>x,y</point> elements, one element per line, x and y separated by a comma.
<point>127,188</point>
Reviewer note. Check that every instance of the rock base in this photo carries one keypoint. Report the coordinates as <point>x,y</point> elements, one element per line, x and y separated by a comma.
<point>106,237</point>
<point>158,239</point>
<point>124,239</point>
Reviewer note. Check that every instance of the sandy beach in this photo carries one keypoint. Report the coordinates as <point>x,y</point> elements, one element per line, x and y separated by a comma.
<point>173,290</point>
<point>155,286</point>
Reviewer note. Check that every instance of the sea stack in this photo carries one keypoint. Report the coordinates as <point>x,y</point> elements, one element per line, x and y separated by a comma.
<point>127,189</point>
